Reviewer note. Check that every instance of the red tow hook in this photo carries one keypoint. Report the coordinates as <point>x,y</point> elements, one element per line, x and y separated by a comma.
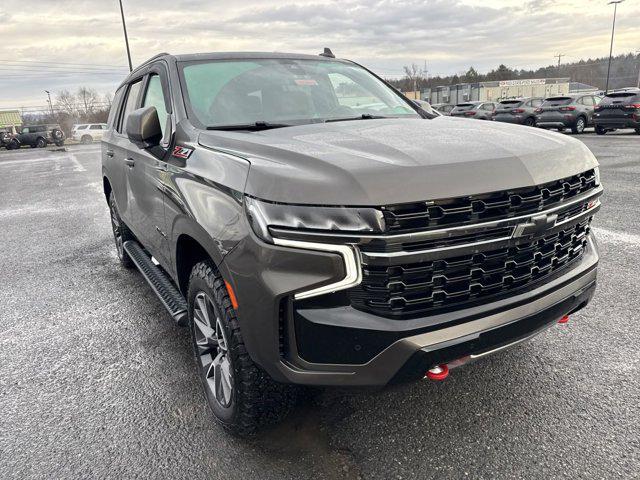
<point>564,319</point>
<point>438,373</point>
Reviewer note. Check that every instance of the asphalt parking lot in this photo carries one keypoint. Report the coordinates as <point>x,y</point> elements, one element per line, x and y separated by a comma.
<point>96,380</point>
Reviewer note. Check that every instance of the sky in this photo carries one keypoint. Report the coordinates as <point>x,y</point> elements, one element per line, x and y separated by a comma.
<point>64,44</point>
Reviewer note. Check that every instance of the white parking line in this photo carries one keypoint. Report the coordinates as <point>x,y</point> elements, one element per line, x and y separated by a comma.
<point>610,236</point>
<point>34,160</point>
<point>78,166</point>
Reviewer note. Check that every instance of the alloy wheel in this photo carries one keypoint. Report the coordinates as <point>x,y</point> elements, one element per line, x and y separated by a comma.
<point>580,125</point>
<point>212,350</point>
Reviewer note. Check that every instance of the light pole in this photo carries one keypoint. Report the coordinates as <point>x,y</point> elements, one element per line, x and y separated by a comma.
<point>126,38</point>
<point>613,29</point>
<point>50,104</point>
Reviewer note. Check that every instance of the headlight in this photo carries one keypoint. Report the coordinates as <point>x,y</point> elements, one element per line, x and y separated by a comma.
<point>265,215</point>
<point>596,171</point>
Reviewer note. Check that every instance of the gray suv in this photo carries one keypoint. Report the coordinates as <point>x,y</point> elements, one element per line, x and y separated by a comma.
<point>518,110</point>
<point>567,111</point>
<point>312,226</point>
<point>476,110</point>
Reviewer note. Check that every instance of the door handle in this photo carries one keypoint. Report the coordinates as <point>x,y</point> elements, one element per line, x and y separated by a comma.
<point>109,153</point>
<point>130,162</point>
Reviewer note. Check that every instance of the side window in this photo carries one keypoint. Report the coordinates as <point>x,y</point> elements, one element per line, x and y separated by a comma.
<point>582,101</point>
<point>95,127</point>
<point>536,102</point>
<point>596,100</point>
<point>487,106</point>
<point>115,108</point>
<point>130,104</point>
<point>25,130</point>
<point>155,98</point>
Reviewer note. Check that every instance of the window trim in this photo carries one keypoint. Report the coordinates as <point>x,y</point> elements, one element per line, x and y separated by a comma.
<point>123,104</point>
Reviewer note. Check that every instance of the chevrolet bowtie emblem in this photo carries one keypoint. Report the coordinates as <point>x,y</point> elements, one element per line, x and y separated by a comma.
<point>537,225</point>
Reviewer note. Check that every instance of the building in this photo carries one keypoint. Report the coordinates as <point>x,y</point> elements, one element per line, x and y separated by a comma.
<point>499,89</point>
<point>10,118</point>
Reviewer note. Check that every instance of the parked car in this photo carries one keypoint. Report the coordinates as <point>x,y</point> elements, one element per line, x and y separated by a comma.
<point>620,109</point>
<point>518,110</point>
<point>477,110</point>
<point>88,133</point>
<point>426,106</point>
<point>443,108</point>
<point>567,111</point>
<point>309,240</point>
<point>39,136</point>
<point>6,135</point>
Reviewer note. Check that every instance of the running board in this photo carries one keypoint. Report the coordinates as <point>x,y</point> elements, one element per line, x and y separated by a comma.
<point>168,294</point>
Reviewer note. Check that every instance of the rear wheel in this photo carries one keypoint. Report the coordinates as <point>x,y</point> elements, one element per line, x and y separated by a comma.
<point>530,122</point>
<point>638,130</point>
<point>121,233</point>
<point>600,130</point>
<point>86,139</point>
<point>578,127</point>
<point>240,394</point>
<point>41,142</point>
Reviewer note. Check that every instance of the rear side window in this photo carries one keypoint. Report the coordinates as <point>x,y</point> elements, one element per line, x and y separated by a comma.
<point>115,107</point>
<point>130,104</point>
<point>155,98</point>
<point>95,127</point>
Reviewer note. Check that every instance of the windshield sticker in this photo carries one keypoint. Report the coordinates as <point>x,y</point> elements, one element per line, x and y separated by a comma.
<point>306,82</point>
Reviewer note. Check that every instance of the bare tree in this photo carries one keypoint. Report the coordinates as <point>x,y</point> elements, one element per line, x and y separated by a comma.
<point>87,100</point>
<point>66,102</point>
<point>413,73</point>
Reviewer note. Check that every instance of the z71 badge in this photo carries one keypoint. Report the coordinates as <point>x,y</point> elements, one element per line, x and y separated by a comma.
<point>182,152</point>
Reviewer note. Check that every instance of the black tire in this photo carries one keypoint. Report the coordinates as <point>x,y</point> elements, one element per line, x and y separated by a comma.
<point>578,127</point>
<point>41,142</point>
<point>86,139</point>
<point>638,130</point>
<point>60,144</point>
<point>254,399</point>
<point>561,129</point>
<point>13,145</point>
<point>530,122</point>
<point>600,130</point>
<point>121,233</point>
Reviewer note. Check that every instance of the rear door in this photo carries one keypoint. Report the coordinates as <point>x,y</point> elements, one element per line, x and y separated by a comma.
<point>118,149</point>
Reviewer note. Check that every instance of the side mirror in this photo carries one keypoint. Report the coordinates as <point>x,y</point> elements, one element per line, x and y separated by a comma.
<point>143,127</point>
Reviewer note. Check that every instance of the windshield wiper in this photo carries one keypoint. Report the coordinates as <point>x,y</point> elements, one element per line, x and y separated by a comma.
<point>364,116</point>
<point>254,127</point>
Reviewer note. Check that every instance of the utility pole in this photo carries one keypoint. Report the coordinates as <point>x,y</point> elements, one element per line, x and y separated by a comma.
<point>613,29</point>
<point>638,52</point>
<point>126,38</point>
<point>50,104</point>
<point>559,57</point>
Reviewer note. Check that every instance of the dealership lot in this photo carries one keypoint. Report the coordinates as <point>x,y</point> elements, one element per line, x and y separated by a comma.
<point>95,380</point>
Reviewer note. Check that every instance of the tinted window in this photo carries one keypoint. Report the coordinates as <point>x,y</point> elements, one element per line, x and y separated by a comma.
<point>487,106</point>
<point>95,127</point>
<point>623,98</point>
<point>509,104</point>
<point>557,101</point>
<point>155,98</point>
<point>130,104</point>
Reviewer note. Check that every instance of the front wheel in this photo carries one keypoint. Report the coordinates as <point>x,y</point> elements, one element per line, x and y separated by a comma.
<point>240,394</point>
<point>600,130</point>
<point>121,233</point>
<point>41,142</point>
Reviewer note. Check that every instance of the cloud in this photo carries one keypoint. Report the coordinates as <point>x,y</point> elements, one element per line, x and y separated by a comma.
<point>449,35</point>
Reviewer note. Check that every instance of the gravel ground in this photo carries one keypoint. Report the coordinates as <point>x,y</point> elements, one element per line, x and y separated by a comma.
<point>96,380</point>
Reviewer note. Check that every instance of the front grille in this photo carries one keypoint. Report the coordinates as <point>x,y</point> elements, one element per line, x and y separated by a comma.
<point>451,283</point>
<point>411,217</point>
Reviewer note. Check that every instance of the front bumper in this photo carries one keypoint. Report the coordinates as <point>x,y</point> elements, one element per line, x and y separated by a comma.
<point>274,325</point>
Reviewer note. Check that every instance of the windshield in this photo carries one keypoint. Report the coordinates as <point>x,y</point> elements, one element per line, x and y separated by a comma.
<point>285,92</point>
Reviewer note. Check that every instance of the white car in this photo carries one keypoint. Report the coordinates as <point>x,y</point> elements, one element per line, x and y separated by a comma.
<point>88,132</point>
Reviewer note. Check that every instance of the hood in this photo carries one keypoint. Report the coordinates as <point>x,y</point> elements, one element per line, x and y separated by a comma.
<point>389,161</point>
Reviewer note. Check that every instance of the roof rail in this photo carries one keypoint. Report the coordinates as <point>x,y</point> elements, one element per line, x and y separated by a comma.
<point>151,60</point>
